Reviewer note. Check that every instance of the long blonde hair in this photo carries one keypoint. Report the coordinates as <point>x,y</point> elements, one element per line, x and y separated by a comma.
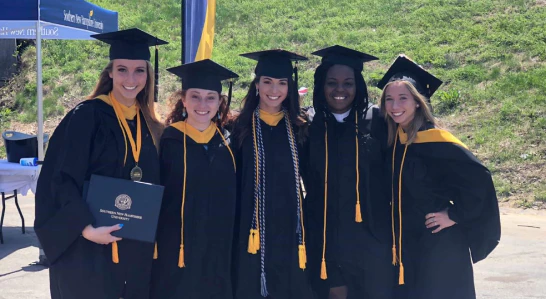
<point>145,98</point>
<point>423,114</point>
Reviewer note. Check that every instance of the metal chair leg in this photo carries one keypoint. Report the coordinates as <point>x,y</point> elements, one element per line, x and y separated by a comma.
<point>19,209</point>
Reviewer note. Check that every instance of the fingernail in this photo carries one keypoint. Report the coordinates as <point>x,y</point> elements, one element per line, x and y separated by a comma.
<point>121,225</point>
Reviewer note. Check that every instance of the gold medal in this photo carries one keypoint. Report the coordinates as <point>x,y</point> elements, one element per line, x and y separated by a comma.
<point>136,174</point>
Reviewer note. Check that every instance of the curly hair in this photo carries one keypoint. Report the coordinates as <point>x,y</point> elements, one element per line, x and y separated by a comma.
<point>175,100</point>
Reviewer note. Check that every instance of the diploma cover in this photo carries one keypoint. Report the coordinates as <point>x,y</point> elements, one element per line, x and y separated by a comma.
<point>136,205</point>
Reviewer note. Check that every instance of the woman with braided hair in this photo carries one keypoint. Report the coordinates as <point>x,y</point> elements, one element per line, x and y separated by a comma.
<point>270,250</point>
<point>346,207</point>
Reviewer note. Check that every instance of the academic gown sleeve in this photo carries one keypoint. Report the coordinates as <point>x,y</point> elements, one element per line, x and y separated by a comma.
<point>475,206</point>
<point>468,184</point>
<point>61,212</point>
<point>165,160</point>
<point>171,167</point>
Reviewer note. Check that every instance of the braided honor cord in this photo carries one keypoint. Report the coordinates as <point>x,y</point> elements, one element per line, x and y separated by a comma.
<point>300,230</point>
<point>257,231</point>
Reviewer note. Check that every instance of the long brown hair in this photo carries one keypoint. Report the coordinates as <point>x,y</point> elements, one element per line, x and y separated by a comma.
<point>175,100</point>
<point>423,114</point>
<point>145,97</point>
<point>243,124</point>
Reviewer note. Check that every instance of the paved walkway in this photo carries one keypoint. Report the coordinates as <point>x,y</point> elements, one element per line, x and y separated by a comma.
<point>516,269</point>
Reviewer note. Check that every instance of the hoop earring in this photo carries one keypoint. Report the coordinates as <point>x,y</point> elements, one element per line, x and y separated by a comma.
<point>184,112</point>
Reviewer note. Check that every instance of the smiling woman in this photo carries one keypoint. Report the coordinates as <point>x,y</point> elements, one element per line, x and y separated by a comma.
<point>443,202</point>
<point>201,105</point>
<point>401,101</point>
<point>347,209</point>
<point>129,77</point>
<point>114,133</point>
<point>273,93</point>
<point>198,170</point>
<point>271,253</point>
<point>340,88</point>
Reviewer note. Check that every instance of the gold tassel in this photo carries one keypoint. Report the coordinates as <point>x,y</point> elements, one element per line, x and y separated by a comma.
<point>401,275</point>
<point>256,240</point>
<point>155,251</point>
<point>302,256</point>
<point>323,275</point>
<point>181,257</point>
<point>115,256</point>
<point>251,245</point>
<point>394,255</point>
<point>358,217</point>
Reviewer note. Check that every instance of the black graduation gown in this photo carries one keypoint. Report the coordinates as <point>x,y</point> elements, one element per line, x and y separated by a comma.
<point>209,216</point>
<point>89,141</point>
<point>438,175</point>
<point>285,280</point>
<point>358,252</point>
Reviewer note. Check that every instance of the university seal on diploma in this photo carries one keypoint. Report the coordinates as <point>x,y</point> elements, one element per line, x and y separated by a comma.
<point>123,202</point>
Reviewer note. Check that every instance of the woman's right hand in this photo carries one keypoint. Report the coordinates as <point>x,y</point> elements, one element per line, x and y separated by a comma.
<point>101,235</point>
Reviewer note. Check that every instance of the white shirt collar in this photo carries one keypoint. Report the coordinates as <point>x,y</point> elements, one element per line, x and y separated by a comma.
<point>341,116</point>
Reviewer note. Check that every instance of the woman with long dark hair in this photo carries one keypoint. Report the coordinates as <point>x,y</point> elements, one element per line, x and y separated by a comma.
<point>270,251</point>
<point>445,213</point>
<point>115,133</point>
<point>195,230</point>
<point>347,209</point>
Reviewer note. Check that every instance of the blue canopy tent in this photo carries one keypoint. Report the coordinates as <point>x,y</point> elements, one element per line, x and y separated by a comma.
<point>52,19</point>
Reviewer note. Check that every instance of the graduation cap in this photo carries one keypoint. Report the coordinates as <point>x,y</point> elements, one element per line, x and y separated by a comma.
<point>204,74</point>
<point>276,63</point>
<point>133,44</point>
<point>406,69</point>
<point>341,55</point>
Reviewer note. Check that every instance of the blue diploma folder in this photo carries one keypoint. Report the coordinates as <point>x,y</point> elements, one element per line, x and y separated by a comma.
<point>136,205</point>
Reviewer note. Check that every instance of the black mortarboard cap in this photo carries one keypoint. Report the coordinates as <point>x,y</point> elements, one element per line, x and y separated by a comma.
<point>129,44</point>
<point>275,63</point>
<point>204,74</point>
<point>133,44</point>
<point>406,69</point>
<point>342,55</point>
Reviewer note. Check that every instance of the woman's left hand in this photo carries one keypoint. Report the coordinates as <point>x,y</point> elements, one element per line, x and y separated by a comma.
<point>440,220</point>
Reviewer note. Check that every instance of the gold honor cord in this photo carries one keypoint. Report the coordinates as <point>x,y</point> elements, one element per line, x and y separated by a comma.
<point>136,172</point>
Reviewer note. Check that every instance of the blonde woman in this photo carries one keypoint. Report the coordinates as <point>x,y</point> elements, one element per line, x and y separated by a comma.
<point>443,199</point>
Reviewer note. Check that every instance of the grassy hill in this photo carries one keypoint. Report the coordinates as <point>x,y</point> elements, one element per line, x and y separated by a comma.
<point>490,53</point>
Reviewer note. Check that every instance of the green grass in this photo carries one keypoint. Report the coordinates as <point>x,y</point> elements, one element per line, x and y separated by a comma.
<point>490,53</point>
<point>6,115</point>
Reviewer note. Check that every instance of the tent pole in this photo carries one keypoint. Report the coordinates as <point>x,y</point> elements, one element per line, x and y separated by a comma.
<point>39,85</point>
<point>183,29</point>
<point>42,259</point>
